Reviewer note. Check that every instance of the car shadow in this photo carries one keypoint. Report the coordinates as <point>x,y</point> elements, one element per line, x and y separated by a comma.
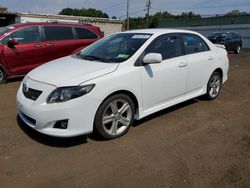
<point>49,140</point>
<point>74,141</point>
<point>166,111</point>
<point>137,123</point>
<point>16,79</point>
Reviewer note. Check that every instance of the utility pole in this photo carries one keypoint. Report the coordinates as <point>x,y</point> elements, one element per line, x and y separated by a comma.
<point>127,14</point>
<point>148,5</point>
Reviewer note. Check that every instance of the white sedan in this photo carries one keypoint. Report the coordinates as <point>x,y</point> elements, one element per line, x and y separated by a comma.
<point>125,76</point>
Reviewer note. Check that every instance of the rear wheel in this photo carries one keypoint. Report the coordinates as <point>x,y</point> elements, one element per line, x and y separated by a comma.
<point>115,116</point>
<point>2,76</point>
<point>214,86</point>
<point>237,50</point>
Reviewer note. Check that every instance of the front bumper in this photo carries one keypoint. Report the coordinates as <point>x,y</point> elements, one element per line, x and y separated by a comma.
<point>40,116</point>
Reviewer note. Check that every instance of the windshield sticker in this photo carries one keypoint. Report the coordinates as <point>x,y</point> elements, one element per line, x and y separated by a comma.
<point>123,56</point>
<point>140,36</point>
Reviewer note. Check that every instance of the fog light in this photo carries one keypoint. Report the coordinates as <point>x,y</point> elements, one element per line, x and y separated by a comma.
<point>62,124</point>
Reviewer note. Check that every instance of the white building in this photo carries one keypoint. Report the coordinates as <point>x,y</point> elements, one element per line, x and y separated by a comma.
<point>107,25</point>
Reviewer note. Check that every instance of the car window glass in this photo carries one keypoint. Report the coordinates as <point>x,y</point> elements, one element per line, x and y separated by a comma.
<point>234,35</point>
<point>194,44</point>
<point>24,36</point>
<point>85,33</point>
<point>229,36</point>
<point>115,48</point>
<point>169,46</point>
<point>53,33</point>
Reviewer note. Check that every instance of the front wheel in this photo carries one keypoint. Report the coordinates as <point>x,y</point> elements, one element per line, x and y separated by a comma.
<point>214,86</point>
<point>115,116</point>
<point>237,50</point>
<point>2,76</point>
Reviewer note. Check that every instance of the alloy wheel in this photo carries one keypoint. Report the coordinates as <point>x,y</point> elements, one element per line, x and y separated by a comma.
<point>214,86</point>
<point>117,117</point>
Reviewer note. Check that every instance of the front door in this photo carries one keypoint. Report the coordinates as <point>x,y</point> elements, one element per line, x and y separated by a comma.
<point>27,54</point>
<point>166,80</point>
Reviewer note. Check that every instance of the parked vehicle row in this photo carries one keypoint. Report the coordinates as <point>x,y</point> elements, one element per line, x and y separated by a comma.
<point>231,40</point>
<point>122,77</point>
<point>26,46</point>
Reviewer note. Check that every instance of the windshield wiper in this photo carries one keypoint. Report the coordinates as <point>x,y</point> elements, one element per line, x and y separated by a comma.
<point>92,58</point>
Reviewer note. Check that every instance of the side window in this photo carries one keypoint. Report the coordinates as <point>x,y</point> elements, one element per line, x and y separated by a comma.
<point>229,36</point>
<point>24,36</point>
<point>53,33</point>
<point>235,36</point>
<point>194,44</point>
<point>85,33</point>
<point>169,46</point>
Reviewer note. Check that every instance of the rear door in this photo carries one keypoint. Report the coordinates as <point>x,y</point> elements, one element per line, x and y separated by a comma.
<point>27,54</point>
<point>84,37</point>
<point>59,41</point>
<point>199,59</point>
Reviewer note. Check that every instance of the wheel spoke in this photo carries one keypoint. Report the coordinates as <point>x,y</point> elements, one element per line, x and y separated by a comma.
<point>113,107</point>
<point>107,119</point>
<point>217,83</point>
<point>124,121</point>
<point>124,108</point>
<point>113,129</point>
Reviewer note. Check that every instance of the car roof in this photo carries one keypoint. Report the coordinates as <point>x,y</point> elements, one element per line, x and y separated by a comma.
<point>50,24</point>
<point>160,31</point>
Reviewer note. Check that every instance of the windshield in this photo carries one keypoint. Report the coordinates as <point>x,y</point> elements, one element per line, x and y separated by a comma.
<point>223,35</point>
<point>115,48</point>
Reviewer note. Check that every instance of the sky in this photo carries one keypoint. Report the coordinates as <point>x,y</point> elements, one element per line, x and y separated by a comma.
<point>137,7</point>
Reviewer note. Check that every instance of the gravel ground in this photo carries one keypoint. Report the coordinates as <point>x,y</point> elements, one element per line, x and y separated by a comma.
<point>194,144</point>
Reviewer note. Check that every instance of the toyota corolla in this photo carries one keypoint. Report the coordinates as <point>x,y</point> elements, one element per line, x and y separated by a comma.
<point>125,76</point>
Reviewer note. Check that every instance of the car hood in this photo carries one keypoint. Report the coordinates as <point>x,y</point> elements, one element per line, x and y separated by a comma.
<point>70,71</point>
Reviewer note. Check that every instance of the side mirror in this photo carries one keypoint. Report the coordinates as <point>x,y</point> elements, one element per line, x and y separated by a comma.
<point>12,42</point>
<point>152,58</point>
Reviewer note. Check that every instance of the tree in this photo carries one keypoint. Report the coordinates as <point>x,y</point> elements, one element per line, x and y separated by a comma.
<point>140,22</point>
<point>235,13</point>
<point>90,12</point>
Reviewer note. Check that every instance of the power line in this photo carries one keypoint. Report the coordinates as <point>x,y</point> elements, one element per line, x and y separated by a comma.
<point>131,13</point>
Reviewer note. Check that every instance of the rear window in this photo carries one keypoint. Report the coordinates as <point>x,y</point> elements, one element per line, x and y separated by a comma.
<point>53,33</point>
<point>85,33</point>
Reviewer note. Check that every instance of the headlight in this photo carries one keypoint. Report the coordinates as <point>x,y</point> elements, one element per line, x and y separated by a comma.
<point>67,93</point>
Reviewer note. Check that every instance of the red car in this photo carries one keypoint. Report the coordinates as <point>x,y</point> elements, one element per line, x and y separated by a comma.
<point>23,47</point>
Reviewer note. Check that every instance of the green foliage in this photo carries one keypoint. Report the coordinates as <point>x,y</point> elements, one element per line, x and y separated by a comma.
<point>141,22</point>
<point>235,13</point>
<point>90,12</point>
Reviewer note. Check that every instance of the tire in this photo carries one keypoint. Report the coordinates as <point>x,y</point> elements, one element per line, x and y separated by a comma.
<point>214,86</point>
<point>114,116</point>
<point>237,50</point>
<point>2,76</point>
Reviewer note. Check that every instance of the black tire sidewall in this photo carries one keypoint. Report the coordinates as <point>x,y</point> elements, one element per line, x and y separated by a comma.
<point>98,127</point>
<point>208,96</point>
<point>4,76</point>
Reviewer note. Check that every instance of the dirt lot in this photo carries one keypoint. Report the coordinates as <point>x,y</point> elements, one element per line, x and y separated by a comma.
<point>195,144</point>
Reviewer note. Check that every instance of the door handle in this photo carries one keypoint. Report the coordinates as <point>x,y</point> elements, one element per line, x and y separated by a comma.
<point>210,58</point>
<point>182,64</point>
<point>38,45</point>
<point>50,44</point>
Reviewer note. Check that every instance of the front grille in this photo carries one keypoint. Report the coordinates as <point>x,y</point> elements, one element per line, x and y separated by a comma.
<point>31,93</point>
<point>31,120</point>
